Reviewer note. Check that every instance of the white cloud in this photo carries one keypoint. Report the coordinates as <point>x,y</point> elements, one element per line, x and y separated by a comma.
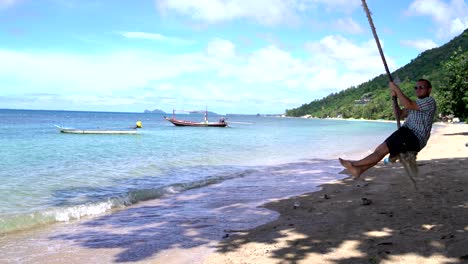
<point>333,50</point>
<point>421,45</point>
<point>334,63</point>
<point>438,10</point>
<point>348,25</point>
<point>266,77</point>
<point>157,37</point>
<point>450,18</point>
<point>212,11</point>
<point>7,3</point>
<point>458,25</point>
<point>270,64</point>
<point>221,48</point>
<point>269,12</point>
<point>101,73</point>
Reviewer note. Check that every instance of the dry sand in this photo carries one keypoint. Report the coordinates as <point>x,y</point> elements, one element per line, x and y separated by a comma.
<point>400,225</point>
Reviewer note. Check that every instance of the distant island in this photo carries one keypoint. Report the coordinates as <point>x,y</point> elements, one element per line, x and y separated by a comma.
<point>155,111</point>
<point>201,112</point>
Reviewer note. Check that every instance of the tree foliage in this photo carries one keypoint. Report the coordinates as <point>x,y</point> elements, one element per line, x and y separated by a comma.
<point>453,96</point>
<point>444,66</point>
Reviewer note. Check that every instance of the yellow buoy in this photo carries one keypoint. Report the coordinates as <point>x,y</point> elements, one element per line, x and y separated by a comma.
<point>138,124</point>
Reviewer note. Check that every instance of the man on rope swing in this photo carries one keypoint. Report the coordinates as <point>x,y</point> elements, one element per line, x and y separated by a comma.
<point>411,137</point>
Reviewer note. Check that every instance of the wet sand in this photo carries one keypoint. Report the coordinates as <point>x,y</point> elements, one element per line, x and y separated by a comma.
<point>379,218</point>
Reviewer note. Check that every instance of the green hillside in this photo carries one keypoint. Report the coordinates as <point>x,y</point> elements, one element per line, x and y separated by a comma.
<point>371,100</point>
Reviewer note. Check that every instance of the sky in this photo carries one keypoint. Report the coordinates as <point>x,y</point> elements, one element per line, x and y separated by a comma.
<point>227,56</point>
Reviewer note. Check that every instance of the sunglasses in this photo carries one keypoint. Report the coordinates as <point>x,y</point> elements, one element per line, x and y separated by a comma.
<point>419,87</point>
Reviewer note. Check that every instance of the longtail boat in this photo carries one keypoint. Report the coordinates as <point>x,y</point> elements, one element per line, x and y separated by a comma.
<point>204,123</point>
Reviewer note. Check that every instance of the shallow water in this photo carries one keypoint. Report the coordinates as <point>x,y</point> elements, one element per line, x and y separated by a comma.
<point>50,177</point>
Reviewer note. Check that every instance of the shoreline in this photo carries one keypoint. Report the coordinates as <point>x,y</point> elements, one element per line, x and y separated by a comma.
<point>400,225</point>
<point>180,228</point>
<point>325,225</point>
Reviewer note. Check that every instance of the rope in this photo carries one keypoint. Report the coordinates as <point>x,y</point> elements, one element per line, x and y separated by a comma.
<point>374,32</point>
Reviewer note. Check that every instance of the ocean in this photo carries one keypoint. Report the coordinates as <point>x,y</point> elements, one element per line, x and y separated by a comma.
<point>48,177</point>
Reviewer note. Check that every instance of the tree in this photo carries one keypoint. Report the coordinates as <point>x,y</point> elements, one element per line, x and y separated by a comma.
<point>453,95</point>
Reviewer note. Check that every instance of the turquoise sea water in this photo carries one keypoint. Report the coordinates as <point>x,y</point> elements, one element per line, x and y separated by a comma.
<point>47,176</point>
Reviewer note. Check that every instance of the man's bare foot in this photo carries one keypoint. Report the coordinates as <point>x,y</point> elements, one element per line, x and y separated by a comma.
<point>355,172</point>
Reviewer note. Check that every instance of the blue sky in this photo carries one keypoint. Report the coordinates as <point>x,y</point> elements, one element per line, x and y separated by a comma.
<point>231,56</point>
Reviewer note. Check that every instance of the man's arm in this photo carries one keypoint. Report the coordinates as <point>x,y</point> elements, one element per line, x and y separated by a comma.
<point>402,113</point>
<point>404,100</point>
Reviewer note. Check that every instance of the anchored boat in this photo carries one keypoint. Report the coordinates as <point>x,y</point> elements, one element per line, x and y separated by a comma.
<point>101,131</point>
<point>205,123</point>
<point>96,131</point>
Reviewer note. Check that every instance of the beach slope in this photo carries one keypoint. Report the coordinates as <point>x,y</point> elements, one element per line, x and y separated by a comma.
<point>380,218</point>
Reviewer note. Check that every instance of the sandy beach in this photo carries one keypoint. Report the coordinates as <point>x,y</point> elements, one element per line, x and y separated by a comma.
<point>380,218</point>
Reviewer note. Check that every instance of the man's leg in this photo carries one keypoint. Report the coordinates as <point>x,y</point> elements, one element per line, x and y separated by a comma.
<point>356,168</point>
<point>378,154</point>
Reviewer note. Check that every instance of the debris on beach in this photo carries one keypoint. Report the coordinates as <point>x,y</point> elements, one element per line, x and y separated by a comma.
<point>366,201</point>
<point>296,204</point>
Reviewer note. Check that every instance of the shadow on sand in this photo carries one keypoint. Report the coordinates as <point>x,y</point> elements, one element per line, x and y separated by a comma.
<point>457,134</point>
<point>400,221</point>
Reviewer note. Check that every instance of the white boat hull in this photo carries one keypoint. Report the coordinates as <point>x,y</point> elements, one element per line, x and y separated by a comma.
<point>92,131</point>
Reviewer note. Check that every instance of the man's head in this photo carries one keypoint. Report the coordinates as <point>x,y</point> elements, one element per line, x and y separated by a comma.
<point>423,88</point>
